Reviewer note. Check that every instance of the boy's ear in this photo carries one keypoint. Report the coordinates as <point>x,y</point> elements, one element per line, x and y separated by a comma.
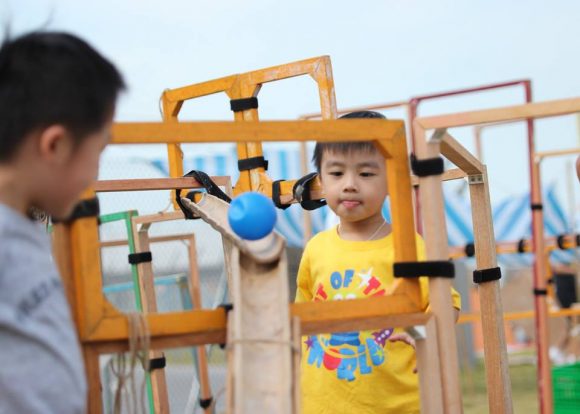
<point>55,144</point>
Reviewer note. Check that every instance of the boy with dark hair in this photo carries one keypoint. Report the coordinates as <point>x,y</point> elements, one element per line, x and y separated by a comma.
<point>367,371</point>
<point>57,100</point>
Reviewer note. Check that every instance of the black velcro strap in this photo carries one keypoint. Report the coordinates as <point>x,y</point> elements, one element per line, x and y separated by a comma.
<point>427,167</point>
<point>227,307</point>
<point>540,292</point>
<point>486,275</point>
<point>536,206</point>
<point>560,241</point>
<point>251,163</point>
<point>522,246</point>
<point>276,193</point>
<point>143,257</point>
<point>301,192</point>
<point>157,363</point>
<point>83,209</point>
<point>207,183</point>
<point>243,104</point>
<point>429,269</point>
<point>205,402</point>
<point>470,250</point>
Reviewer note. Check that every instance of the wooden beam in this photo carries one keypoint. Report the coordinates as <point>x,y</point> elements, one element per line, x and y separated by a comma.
<point>458,155</point>
<point>507,113</point>
<point>151,184</point>
<point>198,132</point>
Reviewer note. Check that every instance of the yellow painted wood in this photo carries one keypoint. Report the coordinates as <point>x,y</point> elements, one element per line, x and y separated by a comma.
<point>284,131</point>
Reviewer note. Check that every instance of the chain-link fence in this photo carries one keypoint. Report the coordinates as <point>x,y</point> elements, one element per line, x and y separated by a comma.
<point>171,270</point>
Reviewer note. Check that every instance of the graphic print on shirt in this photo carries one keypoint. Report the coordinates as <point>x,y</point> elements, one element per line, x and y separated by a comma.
<point>350,354</point>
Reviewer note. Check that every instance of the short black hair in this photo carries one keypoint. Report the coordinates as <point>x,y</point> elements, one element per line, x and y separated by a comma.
<point>49,78</point>
<point>345,147</point>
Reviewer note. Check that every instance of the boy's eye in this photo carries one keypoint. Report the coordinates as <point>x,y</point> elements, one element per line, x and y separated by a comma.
<point>335,173</point>
<point>367,174</point>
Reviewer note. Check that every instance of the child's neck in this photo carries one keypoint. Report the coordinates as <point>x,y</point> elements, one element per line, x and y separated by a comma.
<point>365,230</point>
<point>12,192</point>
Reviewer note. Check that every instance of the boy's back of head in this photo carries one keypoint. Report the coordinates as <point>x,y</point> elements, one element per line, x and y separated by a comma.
<point>49,78</point>
<point>345,147</point>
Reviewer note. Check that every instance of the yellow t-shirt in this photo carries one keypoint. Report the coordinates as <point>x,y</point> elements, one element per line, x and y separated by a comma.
<point>355,372</point>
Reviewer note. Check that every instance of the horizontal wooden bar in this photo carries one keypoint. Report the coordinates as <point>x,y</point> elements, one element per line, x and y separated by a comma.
<point>256,77</point>
<point>540,155</point>
<point>200,89</point>
<point>507,113</point>
<point>357,314</point>
<point>159,217</point>
<point>375,107</point>
<point>157,239</point>
<point>315,318</point>
<point>198,132</point>
<point>512,316</point>
<point>511,247</point>
<point>153,184</point>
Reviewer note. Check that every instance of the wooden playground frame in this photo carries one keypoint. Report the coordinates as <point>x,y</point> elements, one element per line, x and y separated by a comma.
<point>243,86</point>
<point>103,329</point>
<point>412,107</point>
<point>526,113</point>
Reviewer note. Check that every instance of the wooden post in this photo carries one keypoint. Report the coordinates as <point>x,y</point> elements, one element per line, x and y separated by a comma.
<point>149,305</point>
<point>435,233</point>
<point>496,361</point>
<point>195,293</point>
<point>429,369</point>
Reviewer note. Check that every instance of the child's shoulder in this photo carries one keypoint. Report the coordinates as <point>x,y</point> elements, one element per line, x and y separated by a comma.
<point>322,237</point>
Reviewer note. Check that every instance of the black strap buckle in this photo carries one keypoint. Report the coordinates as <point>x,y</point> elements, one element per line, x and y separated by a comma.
<point>442,268</point>
<point>301,192</point>
<point>207,183</point>
<point>486,275</point>
<point>427,167</point>
<point>243,104</point>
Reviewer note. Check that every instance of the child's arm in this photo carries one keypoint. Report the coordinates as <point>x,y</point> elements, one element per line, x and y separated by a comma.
<point>303,281</point>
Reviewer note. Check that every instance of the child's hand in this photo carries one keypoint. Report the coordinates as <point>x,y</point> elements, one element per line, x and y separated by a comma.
<point>406,338</point>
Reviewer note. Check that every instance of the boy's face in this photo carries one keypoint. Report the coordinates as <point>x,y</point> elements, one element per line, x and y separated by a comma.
<point>354,183</point>
<point>71,168</point>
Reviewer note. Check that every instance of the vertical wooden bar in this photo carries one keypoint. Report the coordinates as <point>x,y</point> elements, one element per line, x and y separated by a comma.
<point>195,293</point>
<point>297,374</point>
<point>95,389</point>
<point>435,232</point>
<point>428,369</point>
<point>399,185</point>
<point>494,343</point>
<point>540,285</point>
<point>174,152</point>
<point>77,253</point>
<point>149,305</point>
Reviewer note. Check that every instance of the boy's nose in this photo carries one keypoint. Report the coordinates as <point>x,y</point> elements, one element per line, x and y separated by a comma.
<point>349,184</point>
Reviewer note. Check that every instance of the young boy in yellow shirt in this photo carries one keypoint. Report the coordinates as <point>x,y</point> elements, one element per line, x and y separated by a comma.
<point>367,371</point>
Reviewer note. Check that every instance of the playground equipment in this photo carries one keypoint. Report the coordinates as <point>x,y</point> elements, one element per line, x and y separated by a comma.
<point>495,118</point>
<point>528,113</point>
<point>103,329</point>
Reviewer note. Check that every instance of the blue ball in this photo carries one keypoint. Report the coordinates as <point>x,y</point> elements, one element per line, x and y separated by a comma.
<point>252,215</point>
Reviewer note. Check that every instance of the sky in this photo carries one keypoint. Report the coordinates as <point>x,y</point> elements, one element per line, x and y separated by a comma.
<point>381,51</point>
